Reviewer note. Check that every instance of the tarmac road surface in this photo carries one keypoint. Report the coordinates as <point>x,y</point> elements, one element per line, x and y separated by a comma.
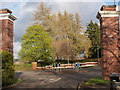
<point>67,79</point>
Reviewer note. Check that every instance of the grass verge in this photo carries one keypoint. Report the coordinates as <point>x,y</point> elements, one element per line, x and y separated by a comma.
<point>96,81</point>
<point>23,67</point>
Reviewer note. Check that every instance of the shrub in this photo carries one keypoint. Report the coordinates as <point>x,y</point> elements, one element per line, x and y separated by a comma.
<point>7,68</point>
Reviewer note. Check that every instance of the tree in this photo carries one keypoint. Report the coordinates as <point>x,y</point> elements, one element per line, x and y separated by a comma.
<point>69,40</point>
<point>93,33</point>
<point>65,30</point>
<point>42,17</point>
<point>36,44</point>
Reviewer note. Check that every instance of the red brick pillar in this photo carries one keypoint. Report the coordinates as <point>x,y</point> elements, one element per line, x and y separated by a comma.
<point>109,24</point>
<point>34,65</point>
<point>6,30</point>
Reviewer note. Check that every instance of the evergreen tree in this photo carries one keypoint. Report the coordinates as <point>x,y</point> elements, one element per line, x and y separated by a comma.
<point>42,16</point>
<point>93,33</point>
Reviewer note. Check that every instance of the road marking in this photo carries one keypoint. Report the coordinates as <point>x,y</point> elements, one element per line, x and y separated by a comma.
<point>44,81</point>
<point>54,80</point>
<point>40,78</point>
<point>50,80</point>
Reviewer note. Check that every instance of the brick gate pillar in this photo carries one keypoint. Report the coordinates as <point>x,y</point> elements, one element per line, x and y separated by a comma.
<point>109,24</point>
<point>6,30</point>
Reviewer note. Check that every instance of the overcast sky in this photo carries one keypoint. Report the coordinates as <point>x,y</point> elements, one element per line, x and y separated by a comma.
<point>23,11</point>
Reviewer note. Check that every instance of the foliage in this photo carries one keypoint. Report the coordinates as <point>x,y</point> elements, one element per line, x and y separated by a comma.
<point>7,68</point>
<point>96,81</point>
<point>65,30</point>
<point>69,37</point>
<point>93,33</point>
<point>36,44</point>
<point>42,16</point>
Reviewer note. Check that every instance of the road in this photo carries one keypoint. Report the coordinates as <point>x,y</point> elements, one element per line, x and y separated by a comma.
<point>50,79</point>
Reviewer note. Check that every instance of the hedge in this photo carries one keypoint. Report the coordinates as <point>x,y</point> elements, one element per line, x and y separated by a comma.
<point>44,63</point>
<point>7,68</point>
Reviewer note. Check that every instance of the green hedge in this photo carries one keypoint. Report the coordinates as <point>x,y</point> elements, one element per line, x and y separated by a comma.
<point>7,68</point>
<point>46,62</point>
<point>89,60</point>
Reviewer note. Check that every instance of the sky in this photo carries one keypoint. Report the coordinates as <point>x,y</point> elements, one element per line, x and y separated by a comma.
<point>24,9</point>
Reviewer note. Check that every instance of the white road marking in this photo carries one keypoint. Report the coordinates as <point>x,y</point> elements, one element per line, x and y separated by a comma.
<point>44,81</point>
<point>40,78</point>
<point>54,80</point>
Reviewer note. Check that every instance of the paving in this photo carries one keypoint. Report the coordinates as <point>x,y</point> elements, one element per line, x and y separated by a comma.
<point>67,78</point>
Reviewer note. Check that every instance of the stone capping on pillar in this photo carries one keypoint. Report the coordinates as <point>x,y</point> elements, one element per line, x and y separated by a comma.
<point>108,11</point>
<point>6,14</point>
<point>5,11</point>
<point>108,8</point>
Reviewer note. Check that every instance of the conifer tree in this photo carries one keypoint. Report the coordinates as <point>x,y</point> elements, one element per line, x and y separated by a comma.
<point>93,33</point>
